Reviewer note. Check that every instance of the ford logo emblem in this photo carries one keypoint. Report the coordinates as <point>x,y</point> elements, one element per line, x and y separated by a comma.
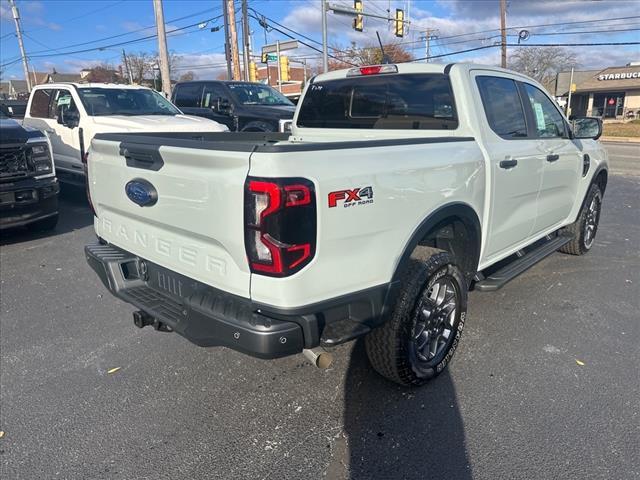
<point>141,192</point>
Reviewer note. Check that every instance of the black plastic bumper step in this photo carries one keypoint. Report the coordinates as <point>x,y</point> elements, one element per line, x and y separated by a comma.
<point>498,278</point>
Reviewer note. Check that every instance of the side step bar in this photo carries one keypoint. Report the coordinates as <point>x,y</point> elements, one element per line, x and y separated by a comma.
<point>510,271</point>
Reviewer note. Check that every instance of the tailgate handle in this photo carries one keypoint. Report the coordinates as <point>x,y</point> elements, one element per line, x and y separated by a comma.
<point>146,157</point>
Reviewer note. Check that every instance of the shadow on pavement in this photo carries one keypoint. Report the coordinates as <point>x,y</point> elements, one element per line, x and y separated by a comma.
<point>74,212</point>
<point>404,433</point>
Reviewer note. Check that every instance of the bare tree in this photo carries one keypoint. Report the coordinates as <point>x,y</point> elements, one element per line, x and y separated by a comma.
<point>141,65</point>
<point>543,63</point>
<point>368,55</point>
<point>187,76</point>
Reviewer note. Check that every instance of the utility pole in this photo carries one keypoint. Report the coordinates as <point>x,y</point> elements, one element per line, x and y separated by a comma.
<point>428,36</point>
<point>233,38</point>
<point>568,109</point>
<point>503,31</point>
<point>162,48</point>
<point>227,47</point>
<point>325,51</point>
<point>245,37</point>
<point>16,19</point>
<point>127,66</point>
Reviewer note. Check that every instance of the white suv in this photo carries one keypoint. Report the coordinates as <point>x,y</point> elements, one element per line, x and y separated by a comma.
<point>72,113</point>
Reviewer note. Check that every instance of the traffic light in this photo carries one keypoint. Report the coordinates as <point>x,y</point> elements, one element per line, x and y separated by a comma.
<point>284,68</point>
<point>358,22</point>
<point>253,72</point>
<point>399,22</point>
<point>264,58</point>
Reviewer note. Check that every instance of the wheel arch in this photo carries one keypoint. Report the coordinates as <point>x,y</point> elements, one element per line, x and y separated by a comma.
<point>456,225</point>
<point>258,126</point>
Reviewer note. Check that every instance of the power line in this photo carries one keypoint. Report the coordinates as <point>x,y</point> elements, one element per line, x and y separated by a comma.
<point>86,14</point>
<point>298,34</point>
<point>148,37</point>
<point>593,44</point>
<point>133,31</point>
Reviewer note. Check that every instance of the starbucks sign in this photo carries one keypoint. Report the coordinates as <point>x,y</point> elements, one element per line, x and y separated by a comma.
<point>619,76</point>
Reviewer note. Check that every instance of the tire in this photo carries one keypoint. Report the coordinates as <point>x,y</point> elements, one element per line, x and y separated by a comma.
<point>431,283</point>
<point>46,224</point>
<point>584,229</point>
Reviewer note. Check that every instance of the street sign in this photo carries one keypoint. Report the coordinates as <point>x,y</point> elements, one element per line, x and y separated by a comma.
<point>272,48</point>
<point>272,57</point>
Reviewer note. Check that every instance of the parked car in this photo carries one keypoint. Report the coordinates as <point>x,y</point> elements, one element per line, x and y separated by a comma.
<point>28,185</point>
<point>241,106</point>
<point>13,108</point>
<point>72,113</point>
<point>401,187</point>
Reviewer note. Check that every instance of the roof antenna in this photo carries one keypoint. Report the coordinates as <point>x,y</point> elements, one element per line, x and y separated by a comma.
<point>385,59</point>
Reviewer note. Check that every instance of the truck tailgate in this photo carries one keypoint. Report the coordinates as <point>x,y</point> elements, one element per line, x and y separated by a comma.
<point>194,226</point>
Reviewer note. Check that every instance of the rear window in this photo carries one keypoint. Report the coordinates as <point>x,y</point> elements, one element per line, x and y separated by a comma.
<point>396,102</point>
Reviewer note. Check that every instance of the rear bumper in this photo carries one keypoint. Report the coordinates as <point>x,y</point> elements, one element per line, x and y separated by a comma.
<point>28,201</point>
<point>210,317</point>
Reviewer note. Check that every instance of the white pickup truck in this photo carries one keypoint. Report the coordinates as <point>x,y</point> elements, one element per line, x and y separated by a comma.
<point>399,188</point>
<point>72,113</point>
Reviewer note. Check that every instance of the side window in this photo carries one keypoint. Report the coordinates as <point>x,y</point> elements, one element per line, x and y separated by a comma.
<point>188,95</point>
<point>211,94</point>
<point>549,121</point>
<point>503,106</point>
<point>40,103</point>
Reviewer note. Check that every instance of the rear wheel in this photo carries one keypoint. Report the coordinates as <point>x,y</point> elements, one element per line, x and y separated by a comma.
<point>584,229</point>
<point>418,341</point>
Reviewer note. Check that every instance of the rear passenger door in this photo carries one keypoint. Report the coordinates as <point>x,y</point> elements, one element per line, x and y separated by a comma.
<point>187,97</point>
<point>561,159</point>
<point>210,95</point>
<point>516,169</point>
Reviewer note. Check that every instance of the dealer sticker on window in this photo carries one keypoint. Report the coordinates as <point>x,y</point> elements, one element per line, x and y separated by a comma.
<point>540,123</point>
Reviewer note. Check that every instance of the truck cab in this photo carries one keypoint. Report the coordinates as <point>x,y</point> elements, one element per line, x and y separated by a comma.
<point>241,106</point>
<point>72,113</point>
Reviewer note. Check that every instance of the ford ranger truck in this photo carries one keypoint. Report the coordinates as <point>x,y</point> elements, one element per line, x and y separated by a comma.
<point>399,189</point>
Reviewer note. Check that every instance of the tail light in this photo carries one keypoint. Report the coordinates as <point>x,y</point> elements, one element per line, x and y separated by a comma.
<point>371,70</point>
<point>85,165</point>
<point>280,224</point>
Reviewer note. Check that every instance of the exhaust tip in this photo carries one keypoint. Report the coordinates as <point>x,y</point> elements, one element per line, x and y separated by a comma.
<point>318,357</point>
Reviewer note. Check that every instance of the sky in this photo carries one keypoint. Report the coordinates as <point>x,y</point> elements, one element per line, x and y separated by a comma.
<point>68,35</point>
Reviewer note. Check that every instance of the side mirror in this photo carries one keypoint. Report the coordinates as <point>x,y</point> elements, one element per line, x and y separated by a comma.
<point>68,118</point>
<point>223,106</point>
<point>587,127</point>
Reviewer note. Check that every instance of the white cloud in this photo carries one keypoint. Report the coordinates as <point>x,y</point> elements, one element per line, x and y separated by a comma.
<point>206,66</point>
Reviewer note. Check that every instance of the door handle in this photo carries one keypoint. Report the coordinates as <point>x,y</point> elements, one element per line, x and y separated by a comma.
<point>552,157</point>
<point>508,163</point>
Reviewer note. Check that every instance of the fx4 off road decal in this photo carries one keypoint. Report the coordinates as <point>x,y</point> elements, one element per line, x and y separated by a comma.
<point>351,198</point>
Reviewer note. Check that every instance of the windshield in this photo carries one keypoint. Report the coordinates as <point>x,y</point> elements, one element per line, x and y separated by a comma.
<point>125,101</point>
<point>256,94</point>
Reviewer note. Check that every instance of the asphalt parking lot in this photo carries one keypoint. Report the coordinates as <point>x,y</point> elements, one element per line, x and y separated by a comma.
<point>515,402</point>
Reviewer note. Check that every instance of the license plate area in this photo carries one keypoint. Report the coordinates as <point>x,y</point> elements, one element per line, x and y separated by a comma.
<point>6,198</point>
<point>20,197</point>
<point>166,281</point>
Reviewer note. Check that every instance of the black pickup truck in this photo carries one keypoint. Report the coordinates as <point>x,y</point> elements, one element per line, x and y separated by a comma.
<point>241,106</point>
<point>28,185</point>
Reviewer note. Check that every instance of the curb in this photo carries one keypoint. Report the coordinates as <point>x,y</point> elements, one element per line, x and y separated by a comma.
<point>620,139</point>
